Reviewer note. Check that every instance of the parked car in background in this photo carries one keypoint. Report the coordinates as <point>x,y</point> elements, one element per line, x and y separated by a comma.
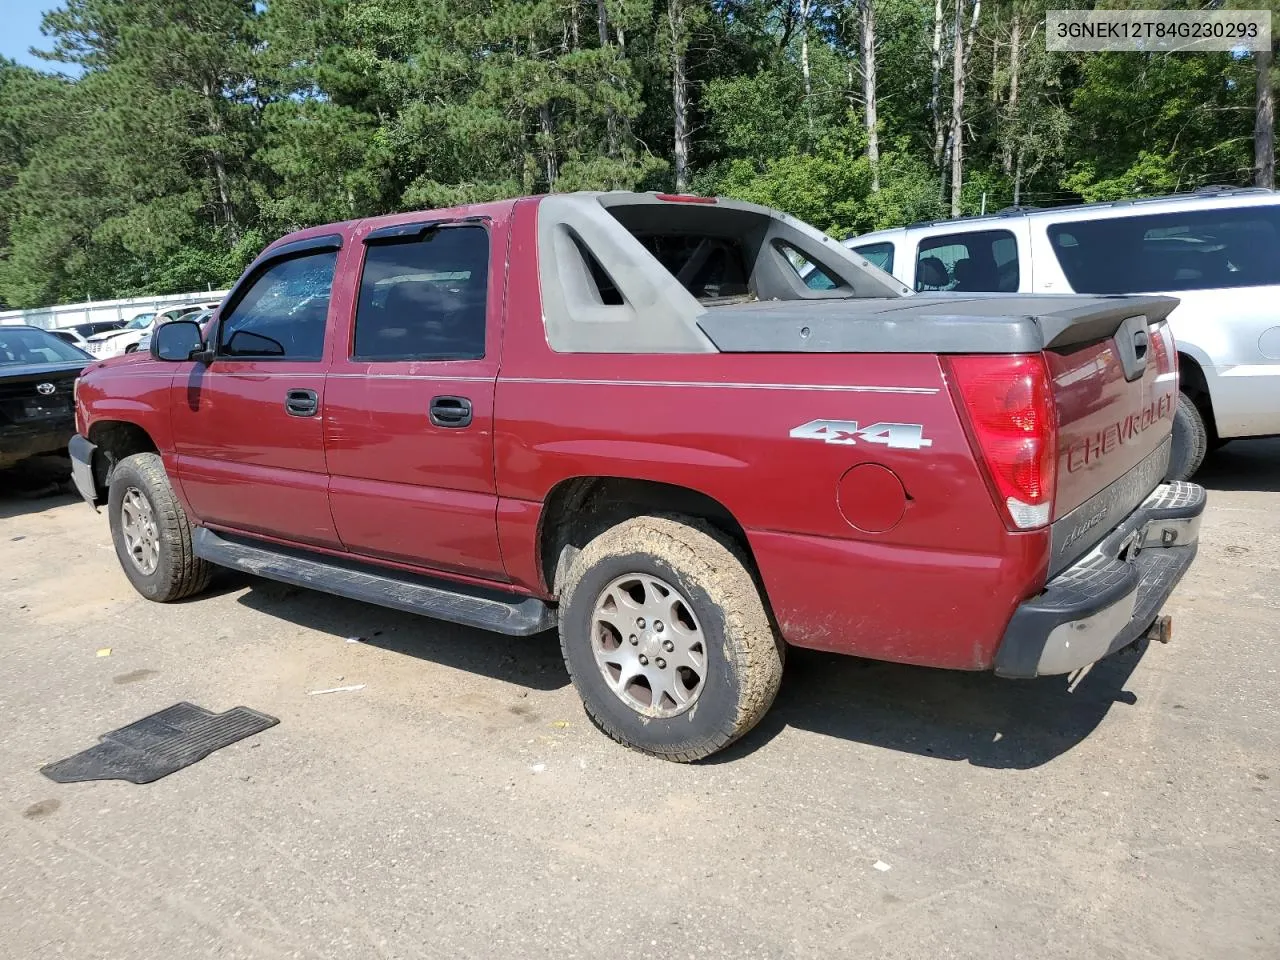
<point>627,416</point>
<point>113,343</point>
<point>37,378</point>
<point>196,316</point>
<point>1217,250</point>
<point>87,330</point>
<point>71,336</point>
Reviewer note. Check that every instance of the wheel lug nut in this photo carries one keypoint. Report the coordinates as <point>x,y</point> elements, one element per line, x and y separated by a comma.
<point>662,664</point>
<point>657,625</point>
<point>640,622</point>
<point>644,661</point>
<point>668,646</point>
<point>634,639</point>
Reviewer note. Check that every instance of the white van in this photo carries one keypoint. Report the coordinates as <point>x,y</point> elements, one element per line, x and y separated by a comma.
<point>1218,251</point>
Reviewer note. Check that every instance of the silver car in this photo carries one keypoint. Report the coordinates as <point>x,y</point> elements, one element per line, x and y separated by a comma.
<point>1217,251</point>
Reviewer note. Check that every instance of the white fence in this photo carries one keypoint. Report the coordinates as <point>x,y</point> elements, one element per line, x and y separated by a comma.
<point>69,314</point>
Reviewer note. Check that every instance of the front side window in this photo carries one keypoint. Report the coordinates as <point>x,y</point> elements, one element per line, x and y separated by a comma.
<point>1168,252</point>
<point>984,261</point>
<point>283,314</point>
<point>879,254</point>
<point>424,298</point>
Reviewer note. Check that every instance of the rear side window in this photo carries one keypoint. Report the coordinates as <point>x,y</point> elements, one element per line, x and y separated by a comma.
<point>283,314</point>
<point>424,298</point>
<point>985,261</point>
<point>880,255</point>
<point>1168,252</point>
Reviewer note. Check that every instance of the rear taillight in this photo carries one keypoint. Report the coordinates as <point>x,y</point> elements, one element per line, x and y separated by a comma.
<point>1009,404</point>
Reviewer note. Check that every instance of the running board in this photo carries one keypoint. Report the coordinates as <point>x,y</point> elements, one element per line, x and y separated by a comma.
<point>457,603</point>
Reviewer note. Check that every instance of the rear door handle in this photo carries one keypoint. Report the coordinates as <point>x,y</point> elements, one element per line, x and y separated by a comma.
<point>301,403</point>
<point>450,411</point>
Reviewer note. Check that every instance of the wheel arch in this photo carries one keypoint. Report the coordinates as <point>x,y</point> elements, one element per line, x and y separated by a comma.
<point>1194,382</point>
<point>578,509</point>
<point>114,440</point>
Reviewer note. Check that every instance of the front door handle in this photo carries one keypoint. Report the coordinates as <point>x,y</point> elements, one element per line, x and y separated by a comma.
<point>450,411</point>
<point>301,403</point>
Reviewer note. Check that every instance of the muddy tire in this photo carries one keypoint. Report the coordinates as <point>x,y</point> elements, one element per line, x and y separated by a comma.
<point>1190,440</point>
<point>151,532</point>
<point>667,638</point>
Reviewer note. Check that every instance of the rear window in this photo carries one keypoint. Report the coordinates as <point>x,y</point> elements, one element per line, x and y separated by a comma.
<point>424,298</point>
<point>1167,252</point>
<point>880,255</point>
<point>709,267</point>
<point>23,345</point>
<point>984,261</point>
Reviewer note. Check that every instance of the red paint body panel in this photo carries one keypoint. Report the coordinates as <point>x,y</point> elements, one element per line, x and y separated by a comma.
<point>1097,440</point>
<point>401,488</point>
<point>244,462</point>
<point>370,476</point>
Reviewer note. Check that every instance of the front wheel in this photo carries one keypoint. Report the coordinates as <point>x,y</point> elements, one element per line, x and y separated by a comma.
<point>151,532</point>
<point>667,639</point>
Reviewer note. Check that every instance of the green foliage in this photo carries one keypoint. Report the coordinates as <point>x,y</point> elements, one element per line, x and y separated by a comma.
<point>198,130</point>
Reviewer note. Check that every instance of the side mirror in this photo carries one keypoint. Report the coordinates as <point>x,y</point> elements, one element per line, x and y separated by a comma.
<point>176,341</point>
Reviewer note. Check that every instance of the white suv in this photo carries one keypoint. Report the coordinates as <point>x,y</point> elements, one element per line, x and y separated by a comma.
<point>1217,251</point>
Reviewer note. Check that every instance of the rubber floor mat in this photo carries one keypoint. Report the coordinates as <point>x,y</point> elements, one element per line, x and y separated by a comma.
<point>160,744</point>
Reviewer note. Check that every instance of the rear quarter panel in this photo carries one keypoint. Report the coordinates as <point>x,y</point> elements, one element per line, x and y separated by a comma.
<point>937,588</point>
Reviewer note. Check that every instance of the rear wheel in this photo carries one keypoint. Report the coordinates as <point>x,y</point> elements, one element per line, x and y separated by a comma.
<point>1190,440</point>
<point>667,639</point>
<point>151,532</point>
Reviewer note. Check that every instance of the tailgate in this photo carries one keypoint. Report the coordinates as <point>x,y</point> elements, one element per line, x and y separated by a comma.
<point>1116,398</point>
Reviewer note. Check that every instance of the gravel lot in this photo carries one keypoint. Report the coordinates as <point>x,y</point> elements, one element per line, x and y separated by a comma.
<point>461,805</point>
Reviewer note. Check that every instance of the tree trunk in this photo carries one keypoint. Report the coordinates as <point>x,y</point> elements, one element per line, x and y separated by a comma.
<point>1017,180</point>
<point>1264,125</point>
<point>549,151</point>
<point>959,66</point>
<point>679,91</point>
<point>611,118</point>
<point>957,110</point>
<point>869,89</point>
<point>935,100</point>
<point>217,162</point>
<point>805,7</point>
<point>1015,51</point>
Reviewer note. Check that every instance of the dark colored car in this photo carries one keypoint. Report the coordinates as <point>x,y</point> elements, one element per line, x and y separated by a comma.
<point>37,377</point>
<point>87,330</point>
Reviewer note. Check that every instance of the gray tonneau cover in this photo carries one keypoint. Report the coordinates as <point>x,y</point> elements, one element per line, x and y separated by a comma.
<point>925,323</point>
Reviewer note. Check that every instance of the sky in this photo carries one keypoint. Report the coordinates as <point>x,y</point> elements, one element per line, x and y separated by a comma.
<point>20,30</point>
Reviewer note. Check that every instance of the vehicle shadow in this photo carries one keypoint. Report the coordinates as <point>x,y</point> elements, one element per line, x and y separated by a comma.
<point>945,714</point>
<point>532,662</point>
<point>34,485</point>
<point>1243,465</point>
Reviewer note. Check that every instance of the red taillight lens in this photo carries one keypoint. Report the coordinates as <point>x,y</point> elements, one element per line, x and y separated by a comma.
<point>1009,403</point>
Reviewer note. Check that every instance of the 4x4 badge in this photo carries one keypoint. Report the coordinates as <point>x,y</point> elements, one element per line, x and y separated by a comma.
<point>901,436</point>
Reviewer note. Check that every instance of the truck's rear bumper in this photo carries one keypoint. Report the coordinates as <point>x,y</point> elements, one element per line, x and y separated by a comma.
<point>1108,598</point>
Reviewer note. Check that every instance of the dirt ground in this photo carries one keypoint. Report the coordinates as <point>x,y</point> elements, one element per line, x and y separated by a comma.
<point>460,805</point>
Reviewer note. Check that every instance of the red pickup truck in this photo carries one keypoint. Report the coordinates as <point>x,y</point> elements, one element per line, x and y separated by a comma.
<point>631,417</point>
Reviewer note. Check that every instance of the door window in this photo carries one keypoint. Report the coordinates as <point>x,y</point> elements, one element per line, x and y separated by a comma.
<point>424,298</point>
<point>282,315</point>
<point>984,261</point>
<point>880,255</point>
<point>1168,252</point>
